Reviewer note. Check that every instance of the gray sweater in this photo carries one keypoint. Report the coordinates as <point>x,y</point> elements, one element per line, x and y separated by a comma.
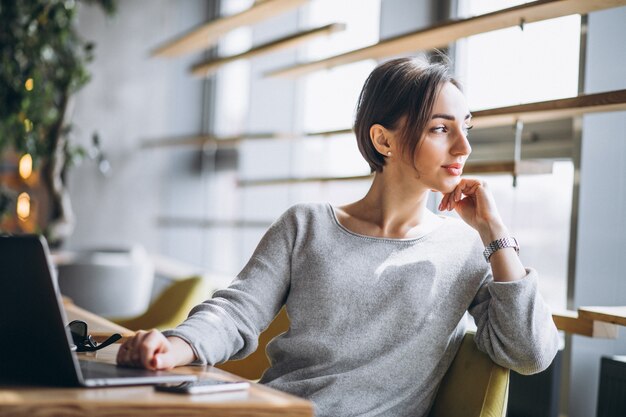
<point>375,322</point>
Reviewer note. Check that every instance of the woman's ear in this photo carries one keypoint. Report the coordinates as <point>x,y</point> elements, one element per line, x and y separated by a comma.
<point>382,139</point>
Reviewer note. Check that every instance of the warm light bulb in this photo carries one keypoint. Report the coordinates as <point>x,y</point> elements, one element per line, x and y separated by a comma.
<point>28,125</point>
<point>29,84</point>
<point>26,166</point>
<point>23,206</point>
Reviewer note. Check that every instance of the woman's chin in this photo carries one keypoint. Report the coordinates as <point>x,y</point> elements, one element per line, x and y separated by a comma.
<point>447,187</point>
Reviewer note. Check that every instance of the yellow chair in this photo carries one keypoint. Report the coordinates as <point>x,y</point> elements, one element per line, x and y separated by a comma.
<point>253,366</point>
<point>170,308</point>
<point>474,386</point>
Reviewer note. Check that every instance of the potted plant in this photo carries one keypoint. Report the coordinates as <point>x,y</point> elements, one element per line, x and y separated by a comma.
<point>43,63</point>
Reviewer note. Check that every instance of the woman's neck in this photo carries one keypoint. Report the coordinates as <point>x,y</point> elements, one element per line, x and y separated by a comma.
<point>391,209</point>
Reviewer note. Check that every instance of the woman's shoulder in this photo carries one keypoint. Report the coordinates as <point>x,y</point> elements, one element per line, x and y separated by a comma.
<point>306,209</point>
<point>305,213</point>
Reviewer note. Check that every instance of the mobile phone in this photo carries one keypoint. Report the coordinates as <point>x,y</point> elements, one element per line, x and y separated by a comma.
<point>203,386</point>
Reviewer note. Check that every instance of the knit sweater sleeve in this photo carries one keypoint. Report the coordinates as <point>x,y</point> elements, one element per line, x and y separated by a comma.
<point>514,324</point>
<point>227,326</point>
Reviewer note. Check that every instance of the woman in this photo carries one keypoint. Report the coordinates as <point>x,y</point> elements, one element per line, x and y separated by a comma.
<point>377,290</point>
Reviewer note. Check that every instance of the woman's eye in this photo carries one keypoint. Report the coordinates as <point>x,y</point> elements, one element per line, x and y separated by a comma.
<point>467,128</point>
<point>439,129</point>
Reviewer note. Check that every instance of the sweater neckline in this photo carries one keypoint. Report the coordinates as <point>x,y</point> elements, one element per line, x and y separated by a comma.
<point>344,229</point>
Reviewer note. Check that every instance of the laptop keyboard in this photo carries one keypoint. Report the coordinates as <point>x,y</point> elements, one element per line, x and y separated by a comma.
<point>97,374</point>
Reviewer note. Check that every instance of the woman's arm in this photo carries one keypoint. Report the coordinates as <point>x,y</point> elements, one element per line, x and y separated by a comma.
<point>227,325</point>
<point>514,324</point>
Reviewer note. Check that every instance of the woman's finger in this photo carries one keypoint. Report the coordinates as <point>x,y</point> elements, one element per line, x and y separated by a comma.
<point>152,344</point>
<point>125,351</point>
<point>121,353</point>
<point>134,352</point>
<point>443,203</point>
<point>458,193</point>
<point>128,353</point>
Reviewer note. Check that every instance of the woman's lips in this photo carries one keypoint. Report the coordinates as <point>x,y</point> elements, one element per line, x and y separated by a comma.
<point>454,169</point>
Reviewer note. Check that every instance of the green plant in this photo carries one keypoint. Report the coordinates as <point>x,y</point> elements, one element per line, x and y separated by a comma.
<point>43,61</point>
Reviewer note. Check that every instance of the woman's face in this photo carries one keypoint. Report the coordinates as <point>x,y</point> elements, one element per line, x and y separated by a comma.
<point>444,147</point>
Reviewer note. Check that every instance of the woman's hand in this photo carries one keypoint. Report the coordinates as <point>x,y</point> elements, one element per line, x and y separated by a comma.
<point>152,350</point>
<point>475,204</point>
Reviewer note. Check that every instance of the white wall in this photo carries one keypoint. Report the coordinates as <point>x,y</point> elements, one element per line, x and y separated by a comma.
<point>600,276</point>
<point>401,16</point>
<point>131,97</point>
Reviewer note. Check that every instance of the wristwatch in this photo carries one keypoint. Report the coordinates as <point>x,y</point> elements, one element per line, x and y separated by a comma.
<point>505,242</point>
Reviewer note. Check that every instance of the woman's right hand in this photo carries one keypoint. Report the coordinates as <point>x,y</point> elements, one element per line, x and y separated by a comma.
<point>152,350</point>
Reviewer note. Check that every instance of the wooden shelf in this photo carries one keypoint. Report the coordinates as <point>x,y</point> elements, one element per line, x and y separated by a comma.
<point>526,167</point>
<point>206,35</point>
<point>219,141</point>
<point>300,180</point>
<point>551,110</point>
<point>210,66</point>
<point>440,35</point>
<point>232,141</point>
<point>210,223</point>
<point>502,116</point>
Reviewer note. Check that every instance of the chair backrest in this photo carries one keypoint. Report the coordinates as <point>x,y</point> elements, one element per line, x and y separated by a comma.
<point>474,386</point>
<point>170,308</point>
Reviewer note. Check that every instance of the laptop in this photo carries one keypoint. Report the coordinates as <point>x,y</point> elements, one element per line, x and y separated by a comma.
<point>36,347</point>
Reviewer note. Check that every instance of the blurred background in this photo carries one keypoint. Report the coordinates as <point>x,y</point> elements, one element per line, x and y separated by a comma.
<point>180,152</point>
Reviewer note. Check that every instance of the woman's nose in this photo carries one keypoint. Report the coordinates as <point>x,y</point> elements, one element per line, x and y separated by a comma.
<point>461,145</point>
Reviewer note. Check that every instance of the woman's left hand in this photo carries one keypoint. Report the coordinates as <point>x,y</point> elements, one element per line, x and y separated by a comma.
<point>475,204</point>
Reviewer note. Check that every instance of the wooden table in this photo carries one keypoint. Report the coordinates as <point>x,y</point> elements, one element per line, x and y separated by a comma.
<point>257,401</point>
<point>615,315</point>
<point>600,321</point>
<point>138,401</point>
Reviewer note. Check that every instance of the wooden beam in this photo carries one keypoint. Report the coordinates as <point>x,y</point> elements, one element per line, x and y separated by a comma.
<point>206,35</point>
<point>551,110</point>
<point>208,67</point>
<point>442,34</point>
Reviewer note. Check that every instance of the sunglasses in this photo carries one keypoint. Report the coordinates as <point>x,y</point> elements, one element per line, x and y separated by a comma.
<point>84,342</point>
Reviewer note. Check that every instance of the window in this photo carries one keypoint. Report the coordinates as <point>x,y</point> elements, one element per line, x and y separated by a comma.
<point>233,80</point>
<point>329,100</point>
<point>514,66</point>
<point>537,212</point>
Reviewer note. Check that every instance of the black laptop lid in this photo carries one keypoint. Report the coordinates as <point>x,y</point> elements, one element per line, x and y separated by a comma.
<point>35,347</point>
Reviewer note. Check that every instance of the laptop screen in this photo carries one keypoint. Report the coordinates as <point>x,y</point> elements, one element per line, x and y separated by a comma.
<point>35,347</point>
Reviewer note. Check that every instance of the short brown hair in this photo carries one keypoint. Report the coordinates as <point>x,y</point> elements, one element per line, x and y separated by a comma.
<point>400,88</point>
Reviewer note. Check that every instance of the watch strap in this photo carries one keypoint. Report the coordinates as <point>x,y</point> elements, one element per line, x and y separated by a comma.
<point>496,245</point>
